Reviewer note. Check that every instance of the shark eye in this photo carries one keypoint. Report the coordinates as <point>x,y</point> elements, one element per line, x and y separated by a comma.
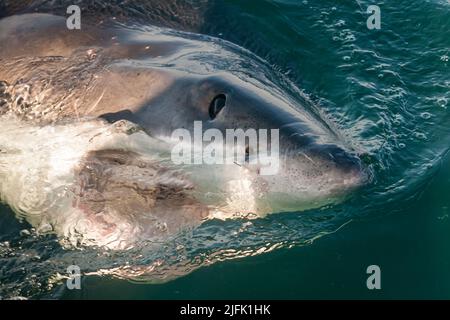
<point>217,105</point>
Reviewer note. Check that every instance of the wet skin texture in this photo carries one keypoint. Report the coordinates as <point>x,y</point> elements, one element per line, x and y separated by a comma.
<point>110,73</point>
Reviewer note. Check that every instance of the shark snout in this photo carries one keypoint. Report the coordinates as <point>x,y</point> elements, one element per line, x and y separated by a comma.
<point>341,164</point>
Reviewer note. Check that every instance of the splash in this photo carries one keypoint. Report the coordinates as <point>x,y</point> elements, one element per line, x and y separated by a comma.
<point>110,185</point>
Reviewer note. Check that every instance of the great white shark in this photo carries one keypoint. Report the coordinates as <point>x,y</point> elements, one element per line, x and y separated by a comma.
<point>86,123</point>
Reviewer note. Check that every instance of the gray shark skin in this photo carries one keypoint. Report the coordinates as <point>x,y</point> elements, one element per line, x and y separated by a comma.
<point>152,81</point>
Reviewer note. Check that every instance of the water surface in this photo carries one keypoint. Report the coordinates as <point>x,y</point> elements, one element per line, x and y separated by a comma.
<point>388,93</point>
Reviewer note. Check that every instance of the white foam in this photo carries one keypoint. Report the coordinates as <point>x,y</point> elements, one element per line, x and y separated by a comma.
<point>38,166</point>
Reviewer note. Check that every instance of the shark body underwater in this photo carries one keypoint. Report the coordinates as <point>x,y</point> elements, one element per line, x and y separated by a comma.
<point>86,118</point>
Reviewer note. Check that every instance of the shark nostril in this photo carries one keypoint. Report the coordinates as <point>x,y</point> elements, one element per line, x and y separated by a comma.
<point>217,105</point>
<point>333,157</point>
<point>348,163</point>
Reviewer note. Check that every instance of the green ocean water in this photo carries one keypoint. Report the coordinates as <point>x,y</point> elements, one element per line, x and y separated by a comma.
<point>388,92</point>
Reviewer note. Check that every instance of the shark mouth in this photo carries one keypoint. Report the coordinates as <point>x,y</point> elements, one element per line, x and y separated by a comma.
<point>110,185</point>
